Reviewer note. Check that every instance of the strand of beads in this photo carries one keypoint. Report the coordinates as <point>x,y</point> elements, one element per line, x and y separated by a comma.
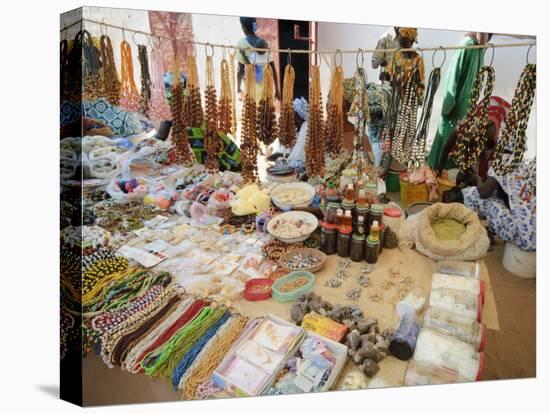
<point>315,143</point>
<point>406,120</point>
<point>180,137</point>
<point>145,78</point>
<point>211,139</point>
<point>225,105</point>
<point>471,133</point>
<point>267,121</point>
<point>334,129</point>
<point>287,124</point>
<point>233,93</point>
<point>513,136</point>
<point>249,146</point>
<point>192,103</point>
<point>129,97</point>
<point>111,84</point>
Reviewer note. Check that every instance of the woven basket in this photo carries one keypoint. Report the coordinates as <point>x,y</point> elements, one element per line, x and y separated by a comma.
<point>313,252</point>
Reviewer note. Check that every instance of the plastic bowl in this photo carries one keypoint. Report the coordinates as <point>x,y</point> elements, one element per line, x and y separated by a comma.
<point>279,189</point>
<point>296,293</point>
<point>292,215</point>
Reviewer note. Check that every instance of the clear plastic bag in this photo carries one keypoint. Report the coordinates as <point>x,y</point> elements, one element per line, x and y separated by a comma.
<point>455,267</point>
<point>427,374</point>
<point>450,323</point>
<point>462,303</point>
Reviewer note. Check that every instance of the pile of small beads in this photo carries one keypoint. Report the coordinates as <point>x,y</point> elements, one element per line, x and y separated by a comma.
<point>301,260</point>
<point>294,284</point>
<point>98,265</point>
<point>274,249</point>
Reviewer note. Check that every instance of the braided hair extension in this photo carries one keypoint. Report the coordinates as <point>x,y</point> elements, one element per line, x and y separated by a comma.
<point>472,131</point>
<point>418,149</point>
<point>515,123</point>
<point>145,78</point>
<point>111,83</point>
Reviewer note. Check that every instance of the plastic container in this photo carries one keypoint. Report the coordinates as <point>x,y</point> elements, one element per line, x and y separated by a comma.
<point>404,340</point>
<point>357,247</point>
<point>411,193</point>
<point>371,250</point>
<point>427,374</point>
<point>519,262</point>
<point>328,238</point>
<point>376,212</point>
<point>332,209</point>
<point>283,296</point>
<point>393,217</point>
<point>465,284</point>
<point>462,303</point>
<point>444,351</point>
<point>257,289</point>
<point>392,182</point>
<point>344,241</point>
<point>413,303</point>
<point>450,323</point>
<point>455,267</point>
<point>361,212</point>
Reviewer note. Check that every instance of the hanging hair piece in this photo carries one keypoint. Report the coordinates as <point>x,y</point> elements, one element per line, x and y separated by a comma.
<point>111,83</point>
<point>129,98</point>
<point>249,142</point>
<point>192,104</point>
<point>471,133</point>
<point>315,143</point>
<point>513,136</point>
<point>145,78</point>
<point>287,124</point>
<point>180,138</point>
<point>267,121</point>
<point>226,101</point>
<point>211,138</point>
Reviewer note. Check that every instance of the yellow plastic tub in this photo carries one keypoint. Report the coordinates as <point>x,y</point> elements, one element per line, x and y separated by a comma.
<point>412,193</point>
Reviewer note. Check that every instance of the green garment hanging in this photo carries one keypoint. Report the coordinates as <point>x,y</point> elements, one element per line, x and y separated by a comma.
<point>460,78</point>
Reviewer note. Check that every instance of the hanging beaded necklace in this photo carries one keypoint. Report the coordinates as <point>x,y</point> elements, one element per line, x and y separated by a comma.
<point>111,84</point>
<point>249,145</point>
<point>393,107</point>
<point>211,139</point>
<point>129,97</point>
<point>418,147</point>
<point>233,97</point>
<point>145,78</point>
<point>471,133</point>
<point>287,124</point>
<point>267,121</point>
<point>405,124</point>
<point>192,103</point>
<point>158,109</point>
<point>315,143</point>
<point>225,105</point>
<point>334,128</point>
<point>91,64</point>
<point>515,123</point>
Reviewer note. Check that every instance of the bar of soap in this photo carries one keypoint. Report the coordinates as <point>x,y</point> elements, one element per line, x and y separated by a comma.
<point>260,201</point>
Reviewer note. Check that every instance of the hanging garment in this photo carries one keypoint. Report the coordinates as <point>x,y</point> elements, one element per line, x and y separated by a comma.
<point>460,78</point>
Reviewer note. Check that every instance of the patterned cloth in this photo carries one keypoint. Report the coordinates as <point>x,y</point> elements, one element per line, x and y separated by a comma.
<point>229,156</point>
<point>409,33</point>
<point>121,122</point>
<point>517,224</point>
<point>407,65</point>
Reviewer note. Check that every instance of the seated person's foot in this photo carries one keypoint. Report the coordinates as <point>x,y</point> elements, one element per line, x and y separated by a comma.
<point>274,156</point>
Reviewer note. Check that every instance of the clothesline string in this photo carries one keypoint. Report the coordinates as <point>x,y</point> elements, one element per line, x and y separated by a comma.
<point>297,51</point>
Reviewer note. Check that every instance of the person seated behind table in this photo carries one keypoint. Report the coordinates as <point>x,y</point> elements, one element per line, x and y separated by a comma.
<point>258,58</point>
<point>408,61</point>
<point>498,108</point>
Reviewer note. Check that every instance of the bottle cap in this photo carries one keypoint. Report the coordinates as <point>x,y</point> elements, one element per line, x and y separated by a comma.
<point>375,223</point>
<point>360,219</point>
<point>348,213</point>
<point>330,185</point>
<point>350,185</point>
<point>339,211</point>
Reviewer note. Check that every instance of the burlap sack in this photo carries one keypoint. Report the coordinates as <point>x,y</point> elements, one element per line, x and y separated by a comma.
<point>472,245</point>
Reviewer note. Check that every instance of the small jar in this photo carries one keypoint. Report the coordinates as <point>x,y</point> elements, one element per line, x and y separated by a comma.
<point>361,212</point>
<point>331,193</point>
<point>357,247</point>
<point>328,238</point>
<point>371,250</point>
<point>376,211</point>
<point>344,241</point>
<point>331,213</point>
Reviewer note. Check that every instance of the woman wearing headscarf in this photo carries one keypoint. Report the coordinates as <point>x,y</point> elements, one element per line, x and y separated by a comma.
<point>407,62</point>
<point>459,80</point>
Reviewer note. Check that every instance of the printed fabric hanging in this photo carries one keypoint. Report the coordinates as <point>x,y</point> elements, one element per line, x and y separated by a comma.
<point>225,105</point>
<point>418,147</point>
<point>472,130</point>
<point>249,142</point>
<point>129,97</point>
<point>158,108</point>
<point>111,83</point>
<point>145,78</point>
<point>179,135</point>
<point>511,144</point>
<point>192,101</point>
<point>405,125</point>
<point>287,124</point>
<point>91,63</point>
<point>267,120</point>
<point>334,129</point>
<point>315,142</point>
<point>211,138</point>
